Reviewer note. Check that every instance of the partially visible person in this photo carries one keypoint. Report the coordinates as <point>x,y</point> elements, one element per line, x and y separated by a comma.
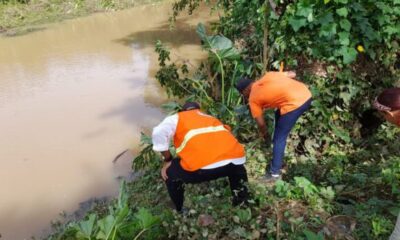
<point>388,103</point>
<point>290,98</point>
<point>206,150</point>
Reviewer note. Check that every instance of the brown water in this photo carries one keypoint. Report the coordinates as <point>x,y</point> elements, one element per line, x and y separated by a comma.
<point>72,97</point>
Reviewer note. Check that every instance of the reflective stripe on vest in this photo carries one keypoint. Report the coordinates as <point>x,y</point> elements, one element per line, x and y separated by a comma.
<point>194,132</point>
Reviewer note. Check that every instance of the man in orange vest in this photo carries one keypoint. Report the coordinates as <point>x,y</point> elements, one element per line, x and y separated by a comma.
<point>206,150</point>
<point>291,98</point>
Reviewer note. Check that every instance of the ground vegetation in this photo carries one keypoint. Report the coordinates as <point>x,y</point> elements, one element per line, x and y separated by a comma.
<point>342,169</point>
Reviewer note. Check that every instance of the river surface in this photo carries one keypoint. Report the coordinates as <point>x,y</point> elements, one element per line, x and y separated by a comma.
<point>72,97</point>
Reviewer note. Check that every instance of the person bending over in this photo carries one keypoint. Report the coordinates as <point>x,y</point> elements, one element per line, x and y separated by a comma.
<point>290,98</point>
<point>206,150</point>
<point>388,103</point>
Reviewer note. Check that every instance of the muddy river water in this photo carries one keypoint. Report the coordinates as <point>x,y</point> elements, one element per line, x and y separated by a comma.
<point>72,96</point>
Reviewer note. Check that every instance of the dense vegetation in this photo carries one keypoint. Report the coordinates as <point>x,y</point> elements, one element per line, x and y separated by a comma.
<point>23,16</point>
<point>341,159</point>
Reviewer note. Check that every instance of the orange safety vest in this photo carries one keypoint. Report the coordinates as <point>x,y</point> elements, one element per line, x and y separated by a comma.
<point>201,140</point>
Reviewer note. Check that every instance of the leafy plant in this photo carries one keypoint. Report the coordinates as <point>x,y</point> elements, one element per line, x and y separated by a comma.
<point>220,49</point>
<point>346,52</point>
<point>313,236</point>
<point>86,228</point>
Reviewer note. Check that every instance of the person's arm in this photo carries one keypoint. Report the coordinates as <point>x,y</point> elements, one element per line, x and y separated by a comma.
<point>257,113</point>
<point>262,127</point>
<point>167,156</point>
<point>161,138</point>
<point>167,163</point>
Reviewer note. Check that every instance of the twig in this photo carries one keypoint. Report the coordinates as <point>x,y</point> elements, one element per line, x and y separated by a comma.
<point>141,232</point>
<point>278,219</point>
<point>119,155</point>
<point>265,38</point>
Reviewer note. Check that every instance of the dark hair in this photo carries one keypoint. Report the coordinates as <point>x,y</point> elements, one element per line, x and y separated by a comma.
<point>390,98</point>
<point>190,106</point>
<point>243,83</point>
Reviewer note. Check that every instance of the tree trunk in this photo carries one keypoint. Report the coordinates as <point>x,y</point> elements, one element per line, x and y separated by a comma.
<point>265,40</point>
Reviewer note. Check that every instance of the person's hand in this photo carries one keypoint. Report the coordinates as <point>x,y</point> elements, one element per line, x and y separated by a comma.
<point>267,140</point>
<point>262,134</point>
<point>164,170</point>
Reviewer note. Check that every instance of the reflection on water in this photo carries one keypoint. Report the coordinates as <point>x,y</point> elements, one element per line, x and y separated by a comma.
<point>72,97</point>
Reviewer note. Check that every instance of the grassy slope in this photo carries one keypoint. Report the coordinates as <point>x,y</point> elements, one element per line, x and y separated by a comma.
<point>19,18</point>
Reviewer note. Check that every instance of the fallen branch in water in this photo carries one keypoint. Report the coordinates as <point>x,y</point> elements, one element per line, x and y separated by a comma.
<point>119,155</point>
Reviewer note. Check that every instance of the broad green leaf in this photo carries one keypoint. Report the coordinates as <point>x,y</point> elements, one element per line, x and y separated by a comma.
<point>345,24</point>
<point>391,30</point>
<point>306,185</point>
<point>127,229</point>
<point>201,31</point>
<point>217,44</point>
<point>229,53</point>
<point>304,11</point>
<point>327,192</point>
<point>346,97</point>
<point>310,17</point>
<point>297,23</point>
<point>85,228</point>
<point>349,54</point>
<point>325,19</point>
<point>313,236</point>
<point>326,1</point>
<point>106,226</point>
<point>341,1</point>
<point>123,195</point>
<point>122,214</point>
<point>386,9</point>
<point>146,219</point>
<point>244,215</point>
<point>342,134</point>
<point>371,34</point>
<point>328,30</point>
<point>383,19</point>
<point>342,12</point>
<point>220,42</point>
<point>344,38</point>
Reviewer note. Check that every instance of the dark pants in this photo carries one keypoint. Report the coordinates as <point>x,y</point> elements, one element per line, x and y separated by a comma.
<point>177,177</point>
<point>283,126</point>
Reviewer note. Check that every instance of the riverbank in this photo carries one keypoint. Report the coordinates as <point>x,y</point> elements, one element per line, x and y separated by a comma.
<point>18,17</point>
<point>342,174</point>
<point>99,69</point>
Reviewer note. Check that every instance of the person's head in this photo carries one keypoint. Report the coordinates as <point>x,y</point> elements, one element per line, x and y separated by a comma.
<point>190,106</point>
<point>388,103</point>
<point>244,86</point>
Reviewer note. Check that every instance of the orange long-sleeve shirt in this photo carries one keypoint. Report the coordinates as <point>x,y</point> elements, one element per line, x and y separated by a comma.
<point>276,90</point>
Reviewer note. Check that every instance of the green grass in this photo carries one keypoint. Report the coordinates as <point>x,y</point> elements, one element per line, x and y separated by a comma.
<point>19,18</point>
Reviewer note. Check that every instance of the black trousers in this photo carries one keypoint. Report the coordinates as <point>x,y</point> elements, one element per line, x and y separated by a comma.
<point>177,177</point>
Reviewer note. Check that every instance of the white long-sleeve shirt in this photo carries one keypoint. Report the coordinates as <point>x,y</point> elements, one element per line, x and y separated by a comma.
<point>164,132</point>
<point>396,232</point>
